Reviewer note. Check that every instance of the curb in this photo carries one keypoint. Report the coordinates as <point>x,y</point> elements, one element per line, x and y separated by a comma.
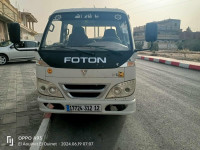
<point>172,63</point>
<point>42,132</point>
<point>40,137</point>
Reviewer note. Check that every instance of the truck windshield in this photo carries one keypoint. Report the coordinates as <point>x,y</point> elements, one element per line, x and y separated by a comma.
<point>91,31</point>
<point>87,40</point>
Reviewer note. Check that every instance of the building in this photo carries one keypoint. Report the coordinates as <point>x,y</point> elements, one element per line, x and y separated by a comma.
<point>9,14</point>
<point>38,37</point>
<point>27,21</point>
<point>168,33</point>
<point>189,35</point>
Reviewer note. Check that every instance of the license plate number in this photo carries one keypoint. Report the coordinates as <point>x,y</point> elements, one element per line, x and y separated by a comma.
<point>83,108</point>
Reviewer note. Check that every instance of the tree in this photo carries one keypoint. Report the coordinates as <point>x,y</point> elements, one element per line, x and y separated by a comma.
<point>193,45</point>
<point>155,46</point>
<point>180,45</point>
<point>139,45</point>
<point>188,29</point>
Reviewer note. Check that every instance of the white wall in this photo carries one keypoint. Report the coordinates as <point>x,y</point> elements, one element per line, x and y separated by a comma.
<point>167,45</point>
<point>164,45</point>
<point>26,35</point>
<point>38,37</point>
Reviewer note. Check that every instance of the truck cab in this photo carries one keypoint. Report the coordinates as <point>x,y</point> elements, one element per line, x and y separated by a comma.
<point>86,63</point>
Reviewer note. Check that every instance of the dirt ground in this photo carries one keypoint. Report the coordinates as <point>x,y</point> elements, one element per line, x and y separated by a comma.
<point>176,54</point>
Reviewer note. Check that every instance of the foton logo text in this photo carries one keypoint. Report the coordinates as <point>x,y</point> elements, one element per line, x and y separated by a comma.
<point>91,60</point>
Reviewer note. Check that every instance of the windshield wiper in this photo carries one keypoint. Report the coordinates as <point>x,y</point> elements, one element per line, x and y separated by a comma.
<point>70,48</point>
<point>78,50</point>
<point>90,46</point>
<point>102,48</point>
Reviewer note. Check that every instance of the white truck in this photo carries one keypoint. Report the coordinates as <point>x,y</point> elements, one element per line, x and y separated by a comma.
<point>86,62</point>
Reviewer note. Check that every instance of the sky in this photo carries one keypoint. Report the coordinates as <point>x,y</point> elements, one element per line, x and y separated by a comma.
<point>140,11</point>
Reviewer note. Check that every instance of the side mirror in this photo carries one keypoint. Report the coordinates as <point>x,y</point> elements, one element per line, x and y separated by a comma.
<point>14,32</point>
<point>151,32</point>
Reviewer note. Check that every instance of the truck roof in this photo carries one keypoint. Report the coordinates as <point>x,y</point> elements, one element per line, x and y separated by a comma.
<point>90,10</point>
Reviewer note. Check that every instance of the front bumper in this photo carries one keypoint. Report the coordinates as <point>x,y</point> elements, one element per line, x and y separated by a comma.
<point>130,106</point>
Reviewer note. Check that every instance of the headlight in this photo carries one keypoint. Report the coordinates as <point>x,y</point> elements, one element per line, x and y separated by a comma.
<point>123,89</point>
<point>48,88</point>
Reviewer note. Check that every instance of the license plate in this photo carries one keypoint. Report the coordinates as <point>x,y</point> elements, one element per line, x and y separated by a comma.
<point>83,108</point>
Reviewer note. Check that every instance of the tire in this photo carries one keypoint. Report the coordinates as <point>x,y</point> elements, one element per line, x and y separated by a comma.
<point>3,59</point>
<point>29,60</point>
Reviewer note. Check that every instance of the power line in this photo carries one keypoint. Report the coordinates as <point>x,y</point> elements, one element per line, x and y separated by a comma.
<point>128,2</point>
<point>174,4</point>
<point>155,2</point>
<point>109,3</point>
<point>143,4</point>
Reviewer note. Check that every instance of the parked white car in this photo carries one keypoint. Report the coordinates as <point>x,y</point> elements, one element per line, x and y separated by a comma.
<point>9,53</point>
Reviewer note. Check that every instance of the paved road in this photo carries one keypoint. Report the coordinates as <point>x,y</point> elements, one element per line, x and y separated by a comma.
<point>167,117</point>
<point>19,110</point>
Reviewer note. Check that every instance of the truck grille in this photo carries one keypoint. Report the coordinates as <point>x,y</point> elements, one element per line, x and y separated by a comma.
<point>88,87</point>
<point>83,90</point>
<point>79,94</point>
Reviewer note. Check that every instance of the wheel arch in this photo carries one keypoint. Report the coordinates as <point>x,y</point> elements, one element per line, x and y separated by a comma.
<point>5,55</point>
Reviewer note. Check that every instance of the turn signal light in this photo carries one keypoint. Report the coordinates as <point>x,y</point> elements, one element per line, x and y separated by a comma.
<point>120,74</point>
<point>49,71</point>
